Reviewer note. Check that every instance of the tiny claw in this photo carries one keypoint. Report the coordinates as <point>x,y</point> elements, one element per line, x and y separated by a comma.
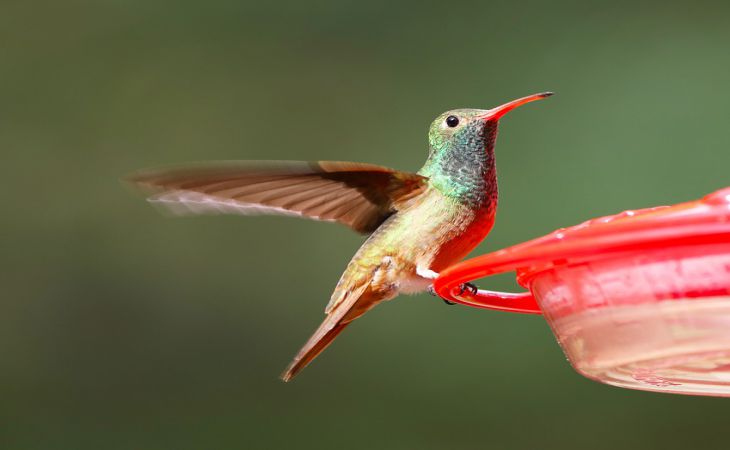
<point>468,287</point>
<point>432,291</point>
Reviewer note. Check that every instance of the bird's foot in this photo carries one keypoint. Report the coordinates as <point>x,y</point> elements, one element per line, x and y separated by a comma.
<point>471,288</point>
<point>466,287</point>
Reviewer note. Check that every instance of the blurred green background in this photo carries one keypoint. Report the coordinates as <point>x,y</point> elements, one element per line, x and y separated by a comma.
<point>122,329</point>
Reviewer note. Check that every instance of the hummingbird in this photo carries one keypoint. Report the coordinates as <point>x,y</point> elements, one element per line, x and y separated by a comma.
<point>417,223</point>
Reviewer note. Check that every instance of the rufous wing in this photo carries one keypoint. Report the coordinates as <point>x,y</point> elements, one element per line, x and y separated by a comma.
<point>358,195</point>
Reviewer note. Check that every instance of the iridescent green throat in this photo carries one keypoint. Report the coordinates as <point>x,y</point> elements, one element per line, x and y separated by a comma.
<point>462,165</point>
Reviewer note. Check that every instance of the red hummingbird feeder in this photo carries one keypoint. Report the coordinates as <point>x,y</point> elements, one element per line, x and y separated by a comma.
<point>639,300</point>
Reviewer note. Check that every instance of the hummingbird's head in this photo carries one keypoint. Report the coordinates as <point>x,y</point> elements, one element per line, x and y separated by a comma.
<point>461,145</point>
<point>465,129</point>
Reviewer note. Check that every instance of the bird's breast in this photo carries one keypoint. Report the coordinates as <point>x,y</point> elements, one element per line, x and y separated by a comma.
<point>435,230</point>
<point>464,240</point>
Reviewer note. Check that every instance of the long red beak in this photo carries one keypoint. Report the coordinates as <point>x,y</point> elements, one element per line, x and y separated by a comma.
<point>499,111</point>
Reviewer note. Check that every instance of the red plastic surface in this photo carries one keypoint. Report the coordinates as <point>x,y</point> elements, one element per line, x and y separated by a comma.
<point>702,222</point>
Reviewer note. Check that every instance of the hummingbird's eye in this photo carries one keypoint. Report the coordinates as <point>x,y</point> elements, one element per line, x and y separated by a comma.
<point>452,121</point>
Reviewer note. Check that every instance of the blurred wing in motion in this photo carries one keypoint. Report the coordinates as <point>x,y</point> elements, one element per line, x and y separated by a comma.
<point>360,196</point>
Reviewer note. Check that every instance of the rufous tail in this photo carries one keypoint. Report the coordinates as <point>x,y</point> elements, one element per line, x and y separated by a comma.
<point>353,303</point>
<point>320,340</point>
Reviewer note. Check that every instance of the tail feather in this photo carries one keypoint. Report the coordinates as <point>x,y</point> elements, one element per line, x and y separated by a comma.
<point>320,340</point>
<point>355,302</point>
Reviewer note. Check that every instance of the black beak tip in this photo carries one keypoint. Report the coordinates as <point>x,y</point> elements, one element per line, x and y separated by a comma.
<point>546,94</point>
